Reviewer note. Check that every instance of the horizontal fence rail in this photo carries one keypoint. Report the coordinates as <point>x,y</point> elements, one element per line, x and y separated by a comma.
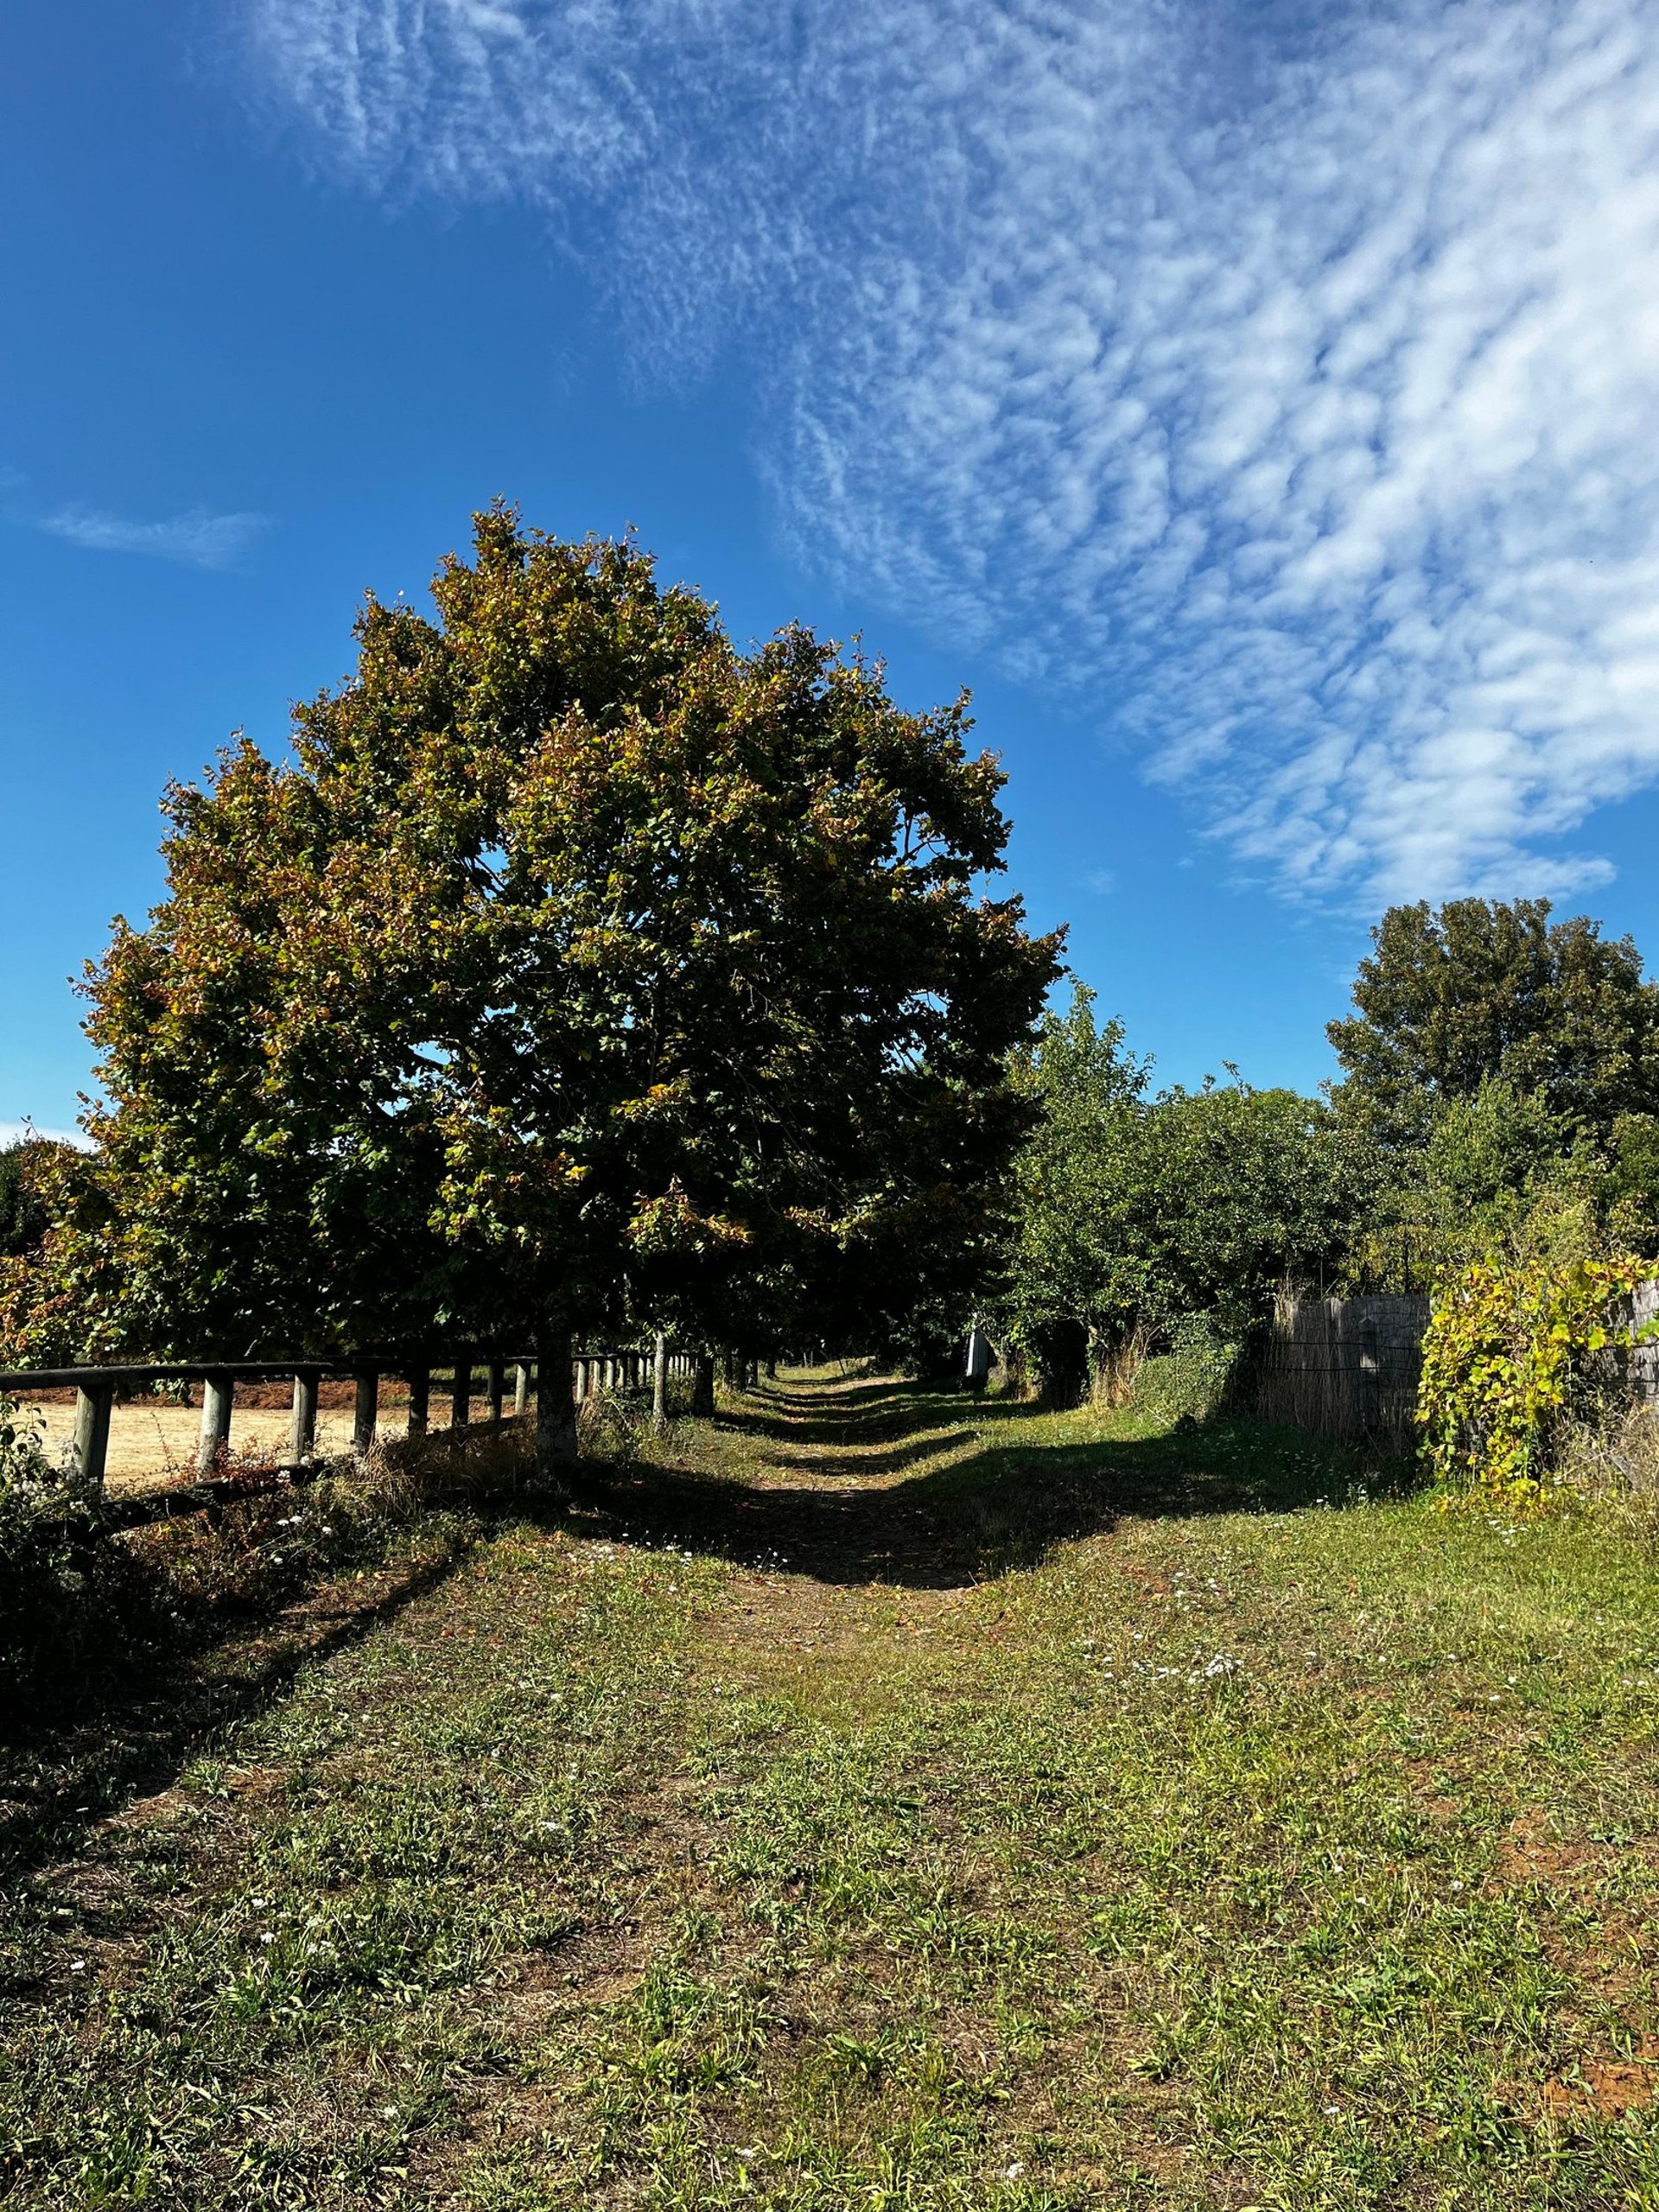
<point>591,1374</point>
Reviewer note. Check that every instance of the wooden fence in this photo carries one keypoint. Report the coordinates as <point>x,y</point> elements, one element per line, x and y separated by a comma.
<point>1347,1366</point>
<point>1351,1366</point>
<point>589,1373</point>
<point>1644,1368</point>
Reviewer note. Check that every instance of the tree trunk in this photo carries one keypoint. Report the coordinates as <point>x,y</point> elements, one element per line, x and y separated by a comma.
<point>659,1382</point>
<point>702,1394</point>
<point>555,1409</point>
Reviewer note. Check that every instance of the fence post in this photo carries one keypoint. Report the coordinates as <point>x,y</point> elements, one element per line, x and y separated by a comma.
<point>498,1391</point>
<point>461,1394</point>
<point>555,1409</point>
<point>659,1382</point>
<point>520,1387</point>
<point>365,1407</point>
<point>420,1387</point>
<point>92,1403</point>
<point>218,1395</point>
<point>1369,1391</point>
<point>703,1393</point>
<point>303,1428</point>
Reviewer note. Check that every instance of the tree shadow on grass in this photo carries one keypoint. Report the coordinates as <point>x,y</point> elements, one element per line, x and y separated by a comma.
<point>150,1677</point>
<point>130,1730</point>
<point>883,1460</point>
<point>882,1413</point>
<point>1007,1506</point>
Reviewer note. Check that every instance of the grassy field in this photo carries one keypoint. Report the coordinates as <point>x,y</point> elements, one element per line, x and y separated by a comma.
<point>890,1801</point>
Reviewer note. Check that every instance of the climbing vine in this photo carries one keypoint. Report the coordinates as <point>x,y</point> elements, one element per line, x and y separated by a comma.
<point>1518,1350</point>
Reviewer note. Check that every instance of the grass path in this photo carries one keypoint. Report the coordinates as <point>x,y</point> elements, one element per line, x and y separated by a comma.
<point>892,1801</point>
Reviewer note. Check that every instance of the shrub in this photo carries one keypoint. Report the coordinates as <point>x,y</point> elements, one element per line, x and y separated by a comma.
<point>51,1523</point>
<point>1189,1381</point>
<point>1519,1352</point>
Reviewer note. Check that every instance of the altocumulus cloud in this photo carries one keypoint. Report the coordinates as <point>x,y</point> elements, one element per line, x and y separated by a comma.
<point>198,539</point>
<point>1290,382</point>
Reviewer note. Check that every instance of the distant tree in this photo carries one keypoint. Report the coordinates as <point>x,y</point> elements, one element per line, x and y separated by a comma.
<point>578,969</point>
<point>1481,990</point>
<point>1488,1156</point>
<point>1074,1278</point>
<point>1632,1186</point>
<point>1134,1213</point>
<point>1246,1190</point>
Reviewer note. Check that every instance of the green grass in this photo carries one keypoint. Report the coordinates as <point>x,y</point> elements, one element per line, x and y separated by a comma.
<point>891,1801</point>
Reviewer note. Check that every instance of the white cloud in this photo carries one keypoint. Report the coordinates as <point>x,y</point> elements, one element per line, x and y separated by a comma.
<point>1290,382</point>
<point>198,539</point>
<point>15,1131</point>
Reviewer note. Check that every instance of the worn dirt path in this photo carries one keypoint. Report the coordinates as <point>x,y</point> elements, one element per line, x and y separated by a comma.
<point>846,1482</point>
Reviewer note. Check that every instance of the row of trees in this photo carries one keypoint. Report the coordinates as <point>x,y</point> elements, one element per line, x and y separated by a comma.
<point>1500,1089</point>
<point>579,970</point>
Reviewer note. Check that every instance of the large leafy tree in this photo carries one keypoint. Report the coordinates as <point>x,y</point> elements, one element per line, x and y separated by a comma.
<point>577,965</point>
<point>1481,990</point>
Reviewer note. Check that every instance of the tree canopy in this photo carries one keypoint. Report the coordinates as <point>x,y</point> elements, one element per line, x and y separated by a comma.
<point>577,963</point>
<point>1134,1212</point>
<point>24,1216</point>
<point>1482,991</point>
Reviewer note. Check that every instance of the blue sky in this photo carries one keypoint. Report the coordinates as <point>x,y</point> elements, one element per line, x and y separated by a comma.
<point>1258,407</point>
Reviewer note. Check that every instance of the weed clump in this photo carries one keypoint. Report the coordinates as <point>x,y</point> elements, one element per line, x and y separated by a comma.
<point>55,1582</point>
<point>89,1602</point>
